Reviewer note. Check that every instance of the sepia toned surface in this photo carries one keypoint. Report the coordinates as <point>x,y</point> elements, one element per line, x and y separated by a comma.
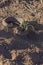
<point>16,47</point>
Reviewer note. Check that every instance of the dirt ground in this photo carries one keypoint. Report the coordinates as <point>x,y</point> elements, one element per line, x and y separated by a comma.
<point>19,49</point>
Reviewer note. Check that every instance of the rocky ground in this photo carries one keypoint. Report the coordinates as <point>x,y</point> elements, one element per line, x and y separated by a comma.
<point>19,49</point>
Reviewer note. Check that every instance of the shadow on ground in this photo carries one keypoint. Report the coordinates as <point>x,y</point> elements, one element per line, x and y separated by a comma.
<point>5,3</point>
<point>37,58</point>
<point>21,43</point>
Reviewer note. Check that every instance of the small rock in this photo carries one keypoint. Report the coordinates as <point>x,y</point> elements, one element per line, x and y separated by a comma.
<point>7,63</point>
<point>13,54</point>
<point>1,60</point>
<point>37,49</point>
<point>20,20</point>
